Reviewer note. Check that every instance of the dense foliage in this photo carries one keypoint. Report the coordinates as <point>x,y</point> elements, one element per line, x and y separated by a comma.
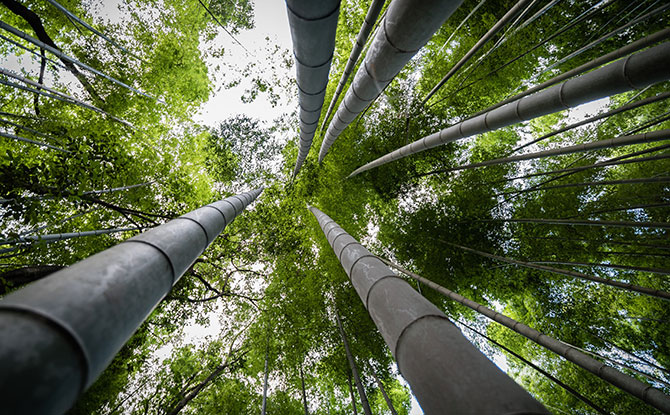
<point>266,292</point>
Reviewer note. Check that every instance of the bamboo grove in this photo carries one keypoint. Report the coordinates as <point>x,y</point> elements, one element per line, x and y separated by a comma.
<point>445,186</point>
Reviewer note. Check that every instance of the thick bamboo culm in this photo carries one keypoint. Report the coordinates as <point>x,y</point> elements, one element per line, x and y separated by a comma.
<point>431,352</point>
<point>62,331</point>
<point>406,28</point>
<point>313,25</point>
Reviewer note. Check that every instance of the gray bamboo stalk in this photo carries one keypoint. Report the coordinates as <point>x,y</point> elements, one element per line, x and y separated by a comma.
<point>632,355</point>
<point>304,395</point>
<point>446,372</point>
<point>61,332</point>
<point>222,26</point>
<point>265,383</point>
<point>603,265</point>
<point>57,95</point>
<point>351,393</point>
<point>543,372</point>
<point>362,37</point>
<point>352,366</point>
<point>636,71</point>
<point>72,16</point>
<point>612,283</point>
<point>31,130</point>
<point>70,59</point>
<point>628,384</point>
<point>382,389</point>
<point>34,52</point>
<point>474,65</point>
<point>654,136</point>
<point>28,140</point>
<point>406,28</point>
<point>609,57</point>
<point>627,107</point>
<point>511,14</point>
<point>586,222</point>
<point>313,26</point>
<point>590,184</point>
<point>60,222</point>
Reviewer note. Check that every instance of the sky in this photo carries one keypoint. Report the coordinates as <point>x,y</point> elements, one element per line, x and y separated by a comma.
<point>271,22</point>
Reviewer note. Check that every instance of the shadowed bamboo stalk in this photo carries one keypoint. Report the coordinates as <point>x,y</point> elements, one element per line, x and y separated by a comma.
<point>57,95</point>
<point>447,374</point>
<point>615,32</point>
<point>586,222</point>
<point>636,71</point>
<point>604,265</point>
<point>612,283</point>
<point>28,140</point>
<point>606,163</point>
<point>380,385</point>
<point>628,384</point>
<point>609,57</point>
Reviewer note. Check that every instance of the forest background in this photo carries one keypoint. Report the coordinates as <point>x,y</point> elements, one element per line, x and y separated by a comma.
<point>266,291</point>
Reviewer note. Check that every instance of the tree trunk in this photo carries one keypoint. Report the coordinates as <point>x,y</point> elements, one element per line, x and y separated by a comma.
<point>613,283</point>
<point>589,184</point>
<point>304,395</point>
<point>199,387</point>
<point>380,385</point>
<point>645,68</point>
<point>511,14</point>
<point>352,365</point>
<point>544,373</point>
<point>22,276</point>
<point>265,383</point>
<point>47,43</point>
<point>351,393</point>
<point>632,386</point>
